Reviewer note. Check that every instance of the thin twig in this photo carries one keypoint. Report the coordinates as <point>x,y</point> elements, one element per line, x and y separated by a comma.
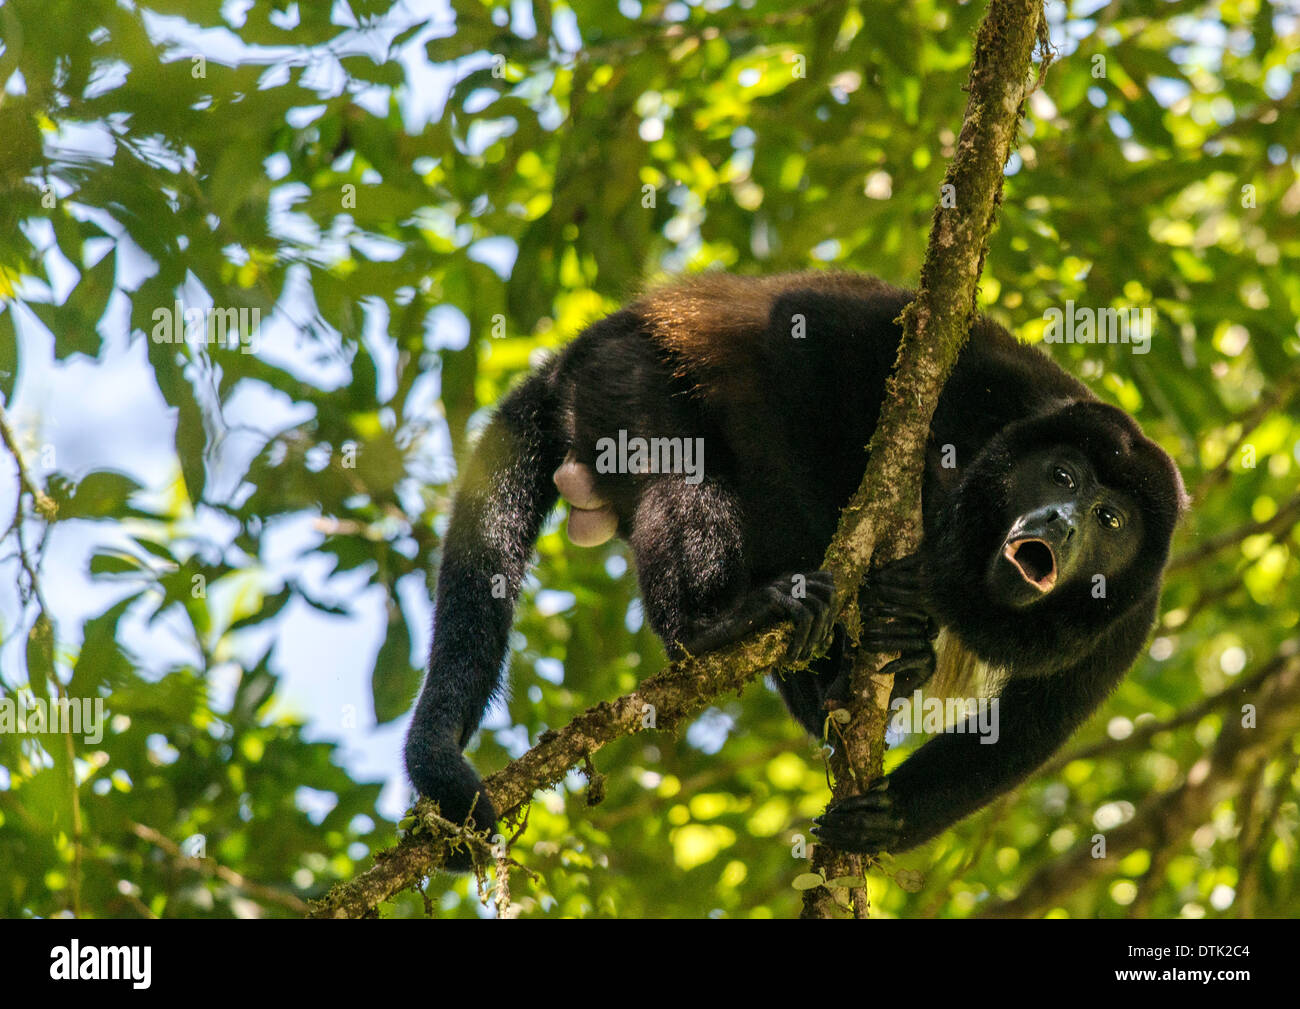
<point>1273,399</point>
<point>1144,733</point>
<point>45,505</point>
<point>1285,517</point>
<point>210,867</point>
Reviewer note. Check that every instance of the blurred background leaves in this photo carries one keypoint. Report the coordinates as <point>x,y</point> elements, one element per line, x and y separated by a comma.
<point>409,202</point>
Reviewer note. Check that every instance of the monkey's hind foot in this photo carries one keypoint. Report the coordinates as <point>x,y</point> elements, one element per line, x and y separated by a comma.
<point>803,597</point>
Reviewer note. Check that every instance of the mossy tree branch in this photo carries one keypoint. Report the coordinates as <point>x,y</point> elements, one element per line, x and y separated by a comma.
<point>883,520</point>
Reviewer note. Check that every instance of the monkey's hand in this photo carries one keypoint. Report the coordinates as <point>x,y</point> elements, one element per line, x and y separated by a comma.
<point>865,824</point>
<point>804,597</point>
<point>894,603</point>
<point>898,587</point>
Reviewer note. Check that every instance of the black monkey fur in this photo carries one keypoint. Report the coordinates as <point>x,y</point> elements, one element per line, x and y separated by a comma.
<point>782,377</point>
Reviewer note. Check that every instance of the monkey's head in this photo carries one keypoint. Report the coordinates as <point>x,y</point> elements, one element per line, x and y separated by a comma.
<point>1058,526</point>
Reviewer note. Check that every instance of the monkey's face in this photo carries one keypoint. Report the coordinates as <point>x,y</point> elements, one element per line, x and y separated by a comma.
<point>1062,527</point>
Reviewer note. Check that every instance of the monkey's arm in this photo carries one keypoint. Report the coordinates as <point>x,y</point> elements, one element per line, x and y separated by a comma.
<point>698,589</point>
<point>958,772</point>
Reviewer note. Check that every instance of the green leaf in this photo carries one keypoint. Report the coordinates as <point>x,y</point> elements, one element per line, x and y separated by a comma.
<point>271,605</point>
<point>394,681</point>
<point>101,494</point>
<point>807,881</point>
<point>116,564</point>
<point>8,352</point>
<point>101,661</point>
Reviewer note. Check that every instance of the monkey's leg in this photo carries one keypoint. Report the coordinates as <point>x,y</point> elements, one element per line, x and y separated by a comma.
<point>823,684</point>
<point>696,580</point>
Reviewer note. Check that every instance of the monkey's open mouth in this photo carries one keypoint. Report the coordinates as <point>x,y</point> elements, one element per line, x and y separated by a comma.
<point>1034,559</point>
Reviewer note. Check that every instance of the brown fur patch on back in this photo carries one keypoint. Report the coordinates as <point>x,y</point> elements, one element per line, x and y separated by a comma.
<point>711,322</point>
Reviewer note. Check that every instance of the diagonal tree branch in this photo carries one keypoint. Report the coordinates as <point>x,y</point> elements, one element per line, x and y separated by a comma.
<point>1278,526</point>
<point>884,517</point>
<point>1147,731</point>
<point>678,691</point>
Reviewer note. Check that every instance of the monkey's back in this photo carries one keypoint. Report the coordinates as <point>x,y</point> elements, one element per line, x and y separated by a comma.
<point>783,378</point>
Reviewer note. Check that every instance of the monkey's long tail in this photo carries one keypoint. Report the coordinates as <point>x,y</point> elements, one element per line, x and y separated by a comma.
<point>505,494</point>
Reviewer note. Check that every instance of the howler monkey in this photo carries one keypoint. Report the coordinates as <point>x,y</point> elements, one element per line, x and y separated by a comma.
<point>1047,521</point>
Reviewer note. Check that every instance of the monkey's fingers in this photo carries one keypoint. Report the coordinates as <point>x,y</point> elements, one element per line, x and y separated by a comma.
<point>911,671</point>
<point>822,582</point>
<point>902,583</point>
<point>803,617</point>
<point>896,636</point>
<point>810,611</point>
<point>865,824</point>
<point>823,629</point>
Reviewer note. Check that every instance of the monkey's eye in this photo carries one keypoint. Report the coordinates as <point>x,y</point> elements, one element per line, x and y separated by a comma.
<point>1108,518</point>
<point>1062,476</point>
